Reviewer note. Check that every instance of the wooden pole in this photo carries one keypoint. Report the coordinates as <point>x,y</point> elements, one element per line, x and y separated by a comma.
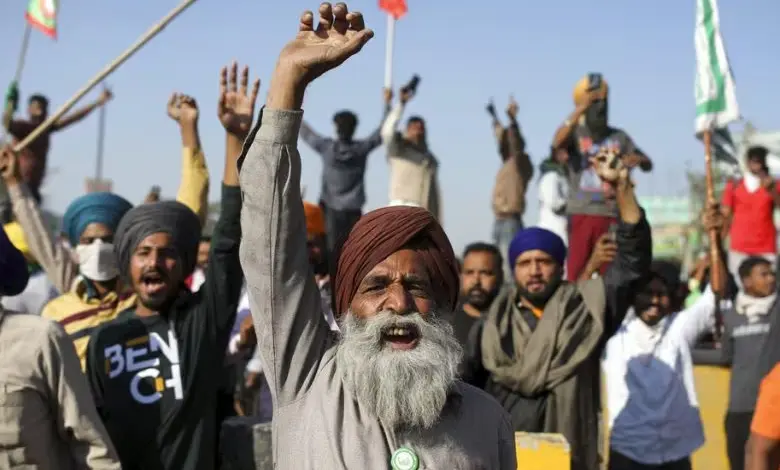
<point>717,282</point>
<point>100,142</point>
<point>113,65</point>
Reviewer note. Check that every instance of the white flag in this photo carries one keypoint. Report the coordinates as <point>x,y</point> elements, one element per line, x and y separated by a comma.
<point>716,98</point>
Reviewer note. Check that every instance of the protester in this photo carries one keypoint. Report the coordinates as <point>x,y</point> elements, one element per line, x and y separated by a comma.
<point>553,194</point>
<point>88,284</point>
<point>745,331</point>
<point>32,161</point>
<point>160,408</point>
<point>48,420</point>
<point>396,283</point>
<point>653,410</point>
<point>481,278</point>
<point>591,206</point>
<point>414,179</point>
<point>201,264</point>
<point>539,346</point>
<point>750,203</point>
<point>40,290</point>
<point>512,180</point>
<point>344,162</point>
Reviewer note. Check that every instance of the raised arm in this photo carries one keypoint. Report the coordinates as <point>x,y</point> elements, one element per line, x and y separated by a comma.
<point>49,253</point>
<point>284,298</point>
<point>312,138</point>
<point>77,420</point>
<point>390,125</point>
<point>634,242</point>
<point>375,139</point>
<point>516,144</point>
<point>82,113</point>
<point>194,187</point>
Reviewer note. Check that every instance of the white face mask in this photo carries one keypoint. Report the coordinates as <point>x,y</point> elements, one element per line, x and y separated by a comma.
<point>97,261</point>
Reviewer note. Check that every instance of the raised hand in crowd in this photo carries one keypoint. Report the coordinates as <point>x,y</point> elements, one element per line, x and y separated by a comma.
<point>512,108</point>
<point>387,96</point>
<point>184,110</point>
<point>236,108</point>
<point>153,195</point>
<point>604,253</point>
<point>9,166</point>
<point>610,167</point>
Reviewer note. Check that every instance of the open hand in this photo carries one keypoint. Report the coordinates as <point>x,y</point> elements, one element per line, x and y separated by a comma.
<point>236,107</point>
<point>609,166</point>
<point>182,108</point>
<point>9,166</point>
<point>338,35</point>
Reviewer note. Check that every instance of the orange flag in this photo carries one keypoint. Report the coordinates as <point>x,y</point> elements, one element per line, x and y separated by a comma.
<point>395,8</point>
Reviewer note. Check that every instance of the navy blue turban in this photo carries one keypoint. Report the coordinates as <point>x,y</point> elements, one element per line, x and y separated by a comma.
<point>104,208</point>
<point>13,268</point>
<point>536,238</point>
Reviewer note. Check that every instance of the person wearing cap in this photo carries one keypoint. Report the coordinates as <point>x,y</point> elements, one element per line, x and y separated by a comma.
<point>537,350</point>
<point>155,370</point>
<point>47,417</point>
<point>591,205</point>
<point>40,290</point>
<point>384,392</point>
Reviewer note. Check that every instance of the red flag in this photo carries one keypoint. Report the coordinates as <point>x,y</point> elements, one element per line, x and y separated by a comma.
<point>396,8</point>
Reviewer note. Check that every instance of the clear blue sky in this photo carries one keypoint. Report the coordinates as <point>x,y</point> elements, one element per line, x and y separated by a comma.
<point>465,55</point>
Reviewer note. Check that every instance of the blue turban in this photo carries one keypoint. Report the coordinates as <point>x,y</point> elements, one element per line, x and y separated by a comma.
<point>103,208</point>
<point>536,238</point>
<point>13,268</point>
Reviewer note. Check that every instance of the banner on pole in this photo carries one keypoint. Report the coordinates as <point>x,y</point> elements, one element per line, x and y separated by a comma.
<point>716,96</point>
<point>42,15</point>
<point>394,8</point>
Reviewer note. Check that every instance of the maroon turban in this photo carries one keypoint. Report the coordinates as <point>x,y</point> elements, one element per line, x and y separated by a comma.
<point>381,233</point>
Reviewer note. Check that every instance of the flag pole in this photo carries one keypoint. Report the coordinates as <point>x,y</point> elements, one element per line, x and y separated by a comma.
<point>113,65</point>
<point>389,51</point>
<point>717,282</point>
<point>22,52</point>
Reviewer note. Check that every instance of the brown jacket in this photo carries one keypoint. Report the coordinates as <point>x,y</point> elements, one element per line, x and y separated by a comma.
<point>47,417</point>
<point>513,176</point>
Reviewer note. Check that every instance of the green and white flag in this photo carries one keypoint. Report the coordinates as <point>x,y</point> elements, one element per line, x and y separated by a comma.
<point>42,14</point>
<point>716,97</point>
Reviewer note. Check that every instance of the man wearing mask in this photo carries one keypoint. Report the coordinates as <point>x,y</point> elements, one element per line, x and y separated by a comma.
<point>414,177</point>
<point>481,278</point>
<point>541,341</point>
<point>745,331</point>
<point>654,418</point>
<point>48,420</point>
<point>591,206</point>
<point>344,162</point>
<point>750,204</point>
<point>84,302</point>
<point>154,370</point>
<point>32,161</point>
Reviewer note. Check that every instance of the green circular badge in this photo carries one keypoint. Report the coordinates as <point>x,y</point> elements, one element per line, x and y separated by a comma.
<point>404,459</point>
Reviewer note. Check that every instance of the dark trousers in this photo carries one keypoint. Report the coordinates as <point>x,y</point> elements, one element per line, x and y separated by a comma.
<point>338,224</point>
<point>584,232</point>
<point>619,461</point>
<point>737,433</point>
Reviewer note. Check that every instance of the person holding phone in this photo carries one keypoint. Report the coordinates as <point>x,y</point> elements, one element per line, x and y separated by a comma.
<point>586,132</point>
<point>749,203</point>
<point>413,166</point>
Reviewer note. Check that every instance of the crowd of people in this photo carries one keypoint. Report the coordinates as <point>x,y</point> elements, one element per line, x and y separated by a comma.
<point>131,334</point>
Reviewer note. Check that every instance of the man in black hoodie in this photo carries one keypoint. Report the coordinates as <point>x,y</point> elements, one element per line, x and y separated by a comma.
<point>153,369</point>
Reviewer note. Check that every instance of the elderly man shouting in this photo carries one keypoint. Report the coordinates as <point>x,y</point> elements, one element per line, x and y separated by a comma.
<point>385,394</point>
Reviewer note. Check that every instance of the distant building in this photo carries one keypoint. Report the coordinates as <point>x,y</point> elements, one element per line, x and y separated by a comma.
<point>670,219</point>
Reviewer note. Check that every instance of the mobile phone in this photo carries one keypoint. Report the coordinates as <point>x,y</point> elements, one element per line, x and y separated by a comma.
<point>594,81</point>
<point>491,108</point>
<point>411,87</point>
<point>613,232</point>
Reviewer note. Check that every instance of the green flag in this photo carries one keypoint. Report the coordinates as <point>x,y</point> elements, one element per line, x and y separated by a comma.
<point>42,14</point>
<point>716,98</point>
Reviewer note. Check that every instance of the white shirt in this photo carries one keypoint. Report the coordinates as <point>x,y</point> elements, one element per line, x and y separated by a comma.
<point>553,192</point>
<point>651,397</point>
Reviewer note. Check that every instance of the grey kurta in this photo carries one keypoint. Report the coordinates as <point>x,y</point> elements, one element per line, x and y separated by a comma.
<point>317,423</point>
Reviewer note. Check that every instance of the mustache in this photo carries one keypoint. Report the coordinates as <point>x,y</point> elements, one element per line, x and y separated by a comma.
<point>154,273</point>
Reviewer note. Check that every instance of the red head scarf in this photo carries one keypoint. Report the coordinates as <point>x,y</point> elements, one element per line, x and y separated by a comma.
<point>381,233</point>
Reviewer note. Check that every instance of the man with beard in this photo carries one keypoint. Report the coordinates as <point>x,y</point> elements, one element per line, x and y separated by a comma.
<point>385,393</point>
<point>154,371</point>
<point>32,161</point>
<point>481,278</point>
<point>539,345</point>
<point>654,418</point>
<point>591,206</point>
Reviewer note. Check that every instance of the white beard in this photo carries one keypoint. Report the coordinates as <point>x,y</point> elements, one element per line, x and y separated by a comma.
<point>401,388</point>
